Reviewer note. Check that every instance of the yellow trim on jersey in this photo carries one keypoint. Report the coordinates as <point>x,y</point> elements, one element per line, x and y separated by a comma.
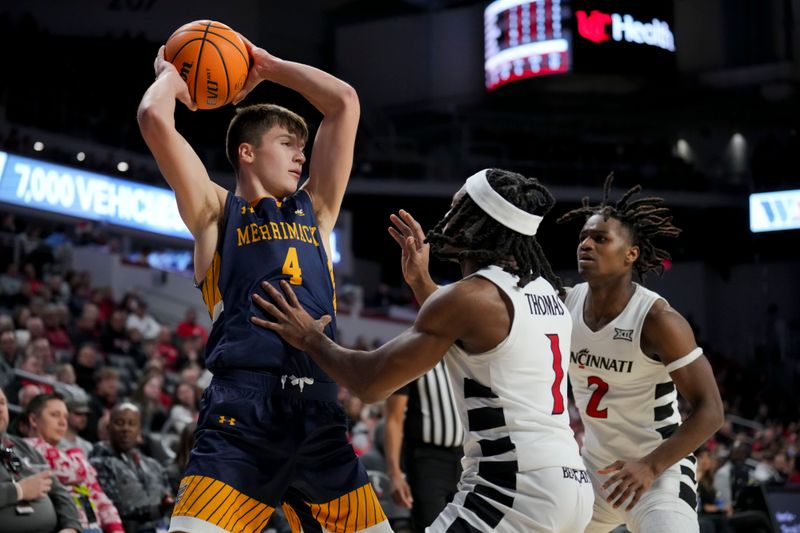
<point>254,203</point>
<point>220,504</point>
<point>333,282</point>
<point>351,512</point>
<point>211,293</point>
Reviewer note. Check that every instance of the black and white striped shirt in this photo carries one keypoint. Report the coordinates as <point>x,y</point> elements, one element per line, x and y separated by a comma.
<point>431,415</point>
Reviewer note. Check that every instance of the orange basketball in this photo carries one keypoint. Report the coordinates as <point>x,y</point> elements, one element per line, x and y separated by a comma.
<point>212,60</point>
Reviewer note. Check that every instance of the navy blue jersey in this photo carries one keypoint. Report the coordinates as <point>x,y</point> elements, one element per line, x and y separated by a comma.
<point>270,241</point>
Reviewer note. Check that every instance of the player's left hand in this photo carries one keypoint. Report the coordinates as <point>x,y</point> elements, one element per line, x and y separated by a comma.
<point>632,480</point>
<point>292,321</point>
<point>415,251</point>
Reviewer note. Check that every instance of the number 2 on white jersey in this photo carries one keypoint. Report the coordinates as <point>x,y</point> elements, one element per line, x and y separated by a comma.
<point>594,402</point>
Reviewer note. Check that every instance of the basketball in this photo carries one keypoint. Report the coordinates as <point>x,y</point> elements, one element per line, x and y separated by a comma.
<point>211,59</point>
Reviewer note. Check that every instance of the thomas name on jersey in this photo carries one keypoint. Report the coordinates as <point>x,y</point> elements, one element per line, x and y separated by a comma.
<point>544,304</point>
<point>583,359</point>
<point>253,233</point>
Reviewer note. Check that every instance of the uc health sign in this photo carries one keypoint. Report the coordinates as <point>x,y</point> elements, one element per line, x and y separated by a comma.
<point>58,189</point>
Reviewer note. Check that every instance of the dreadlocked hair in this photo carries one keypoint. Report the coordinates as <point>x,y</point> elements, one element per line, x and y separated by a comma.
<point>475,235</point>
<point>645,218</point>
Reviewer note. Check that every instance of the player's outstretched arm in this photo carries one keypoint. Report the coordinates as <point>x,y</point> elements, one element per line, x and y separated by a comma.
<point>200,200</point>
<point>371,375</point>
<point>332,155</point>
<point>415,254</point>
<point>668,336</point>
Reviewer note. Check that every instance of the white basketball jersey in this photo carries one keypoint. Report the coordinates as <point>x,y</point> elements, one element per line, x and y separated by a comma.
<point>628,402</point>
<point>513,398</point>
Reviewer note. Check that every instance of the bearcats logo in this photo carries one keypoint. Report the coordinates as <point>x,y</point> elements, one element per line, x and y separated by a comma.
<point>624,334</point>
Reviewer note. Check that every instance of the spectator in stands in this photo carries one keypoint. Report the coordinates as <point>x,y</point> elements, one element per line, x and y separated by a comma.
<point>9,353</point>
<point>192,351</point>
<point>65,376</point>
<point>175,468</point>
<point>47,416</point>
<point>87,326</point>
<point>184,409</point>
<point>105,397</point>
<point>730,481</point>
<point>59,288</point>
<point>104,300</point>
<point>54,331</point>
<point>735,474</point>
<point>140,320</point>
<point>6,322</point>
<point>77,418</point>
<point>189,327</point>
<point>193,373</point>
<point>29,273</point>
<point>50,506</point>
<point>152,401</point>
<point>772,469</point>
<point>136,483</point>
<point>86,362</point>
<point>712,511</point>
<point>41,348</point>
<point>166,349</point>
<point>35,327</point>
<point>11,285</point>
<point>32,365</point>
<point>115,338</point>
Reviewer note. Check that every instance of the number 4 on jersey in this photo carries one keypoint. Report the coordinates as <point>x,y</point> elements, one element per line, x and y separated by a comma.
<point>291,267</point>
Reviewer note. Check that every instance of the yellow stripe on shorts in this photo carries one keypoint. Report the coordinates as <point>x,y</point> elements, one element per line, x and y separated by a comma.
<point>351,512</point>
<point>220,504</point>
<point>292,518</point>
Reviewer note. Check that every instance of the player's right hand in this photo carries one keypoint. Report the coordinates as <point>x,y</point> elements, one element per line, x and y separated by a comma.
<point>164,68</point>
<point>401,492</point>
<point>35,486</point>
<point>408,234</point>
<point>292,321</point>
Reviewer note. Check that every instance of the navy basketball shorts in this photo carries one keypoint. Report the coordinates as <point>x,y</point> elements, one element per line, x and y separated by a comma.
<point>262,441</point>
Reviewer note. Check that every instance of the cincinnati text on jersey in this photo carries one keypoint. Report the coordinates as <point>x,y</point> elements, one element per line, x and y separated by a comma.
<point>583,359</point>
<point>253,233</point>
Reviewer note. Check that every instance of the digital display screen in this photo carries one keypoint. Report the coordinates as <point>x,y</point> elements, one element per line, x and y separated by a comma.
<point>524,39</point>
<point>784,508</point>
<point>623,36</point>
<point>775,211</point>
<point>58,189</point>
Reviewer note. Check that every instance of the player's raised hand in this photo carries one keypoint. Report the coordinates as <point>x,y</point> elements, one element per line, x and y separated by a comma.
<point>408,234</point>
<point>164,68</point>
<point>292,322</point>
<point>632,480</point>
<point>258,59</point>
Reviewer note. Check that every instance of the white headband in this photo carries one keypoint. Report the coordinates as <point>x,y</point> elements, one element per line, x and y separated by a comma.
<point>497,207</point>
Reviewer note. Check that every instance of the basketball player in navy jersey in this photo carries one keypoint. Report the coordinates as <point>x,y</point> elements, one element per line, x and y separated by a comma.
<point>270,430</point>
<point>630,351</point>
<point>504,335</point>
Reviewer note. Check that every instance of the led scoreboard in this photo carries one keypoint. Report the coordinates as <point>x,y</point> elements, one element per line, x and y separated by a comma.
<point>524,39</point>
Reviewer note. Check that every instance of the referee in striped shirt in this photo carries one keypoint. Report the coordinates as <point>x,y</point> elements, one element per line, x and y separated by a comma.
<point>422,421</point>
